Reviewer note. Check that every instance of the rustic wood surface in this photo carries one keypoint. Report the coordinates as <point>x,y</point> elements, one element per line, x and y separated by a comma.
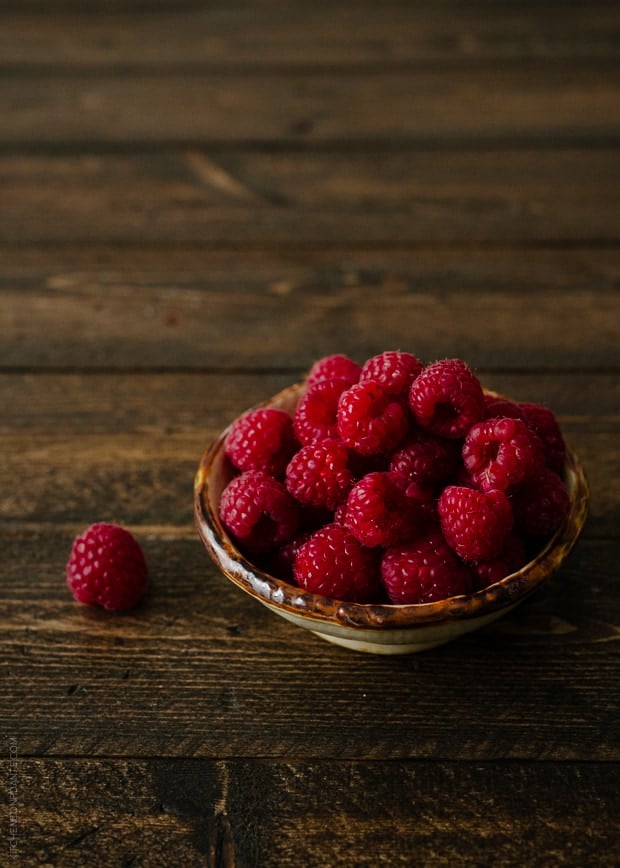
<point>196,201</point>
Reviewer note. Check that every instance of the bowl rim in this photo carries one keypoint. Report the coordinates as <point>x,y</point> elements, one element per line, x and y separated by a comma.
<point>281,595</point>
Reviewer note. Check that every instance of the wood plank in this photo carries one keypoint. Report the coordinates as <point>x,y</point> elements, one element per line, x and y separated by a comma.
<point>274,814</point>
<point>194,670</point>
<point>561,103</point>
<point>188,308</point>
<point>408,196</point>
<point>303,35</point>
<point>132,442</point>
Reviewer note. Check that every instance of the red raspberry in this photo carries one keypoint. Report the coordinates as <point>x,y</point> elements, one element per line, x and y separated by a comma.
<point>423,571</point>
<point>315,414</point>
<point>107,568</point>
<point>499,453</point>
<point>333,563</point>
<point>511,558</point>
<point>426,459</point>
<point>379,513</point>
<point>495,407</point>
<point>370,421</point>
<point>446,398</point>
<point>336,367</point>
<point>541,505</point>
<point>394,370</point>
<point>258,511</point>
<point>542,421</point>
<point>474,523</point>
<point>280,562</point>
<point>262,439</point>
<point>319,475</point>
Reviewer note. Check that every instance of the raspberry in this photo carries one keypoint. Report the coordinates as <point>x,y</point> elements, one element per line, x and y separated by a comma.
<point>262,439</point>
<point>511,558</point>
<point>319,474</point>
<point>542,421</point>
<point>423,571</point>
<point>107,568</point>
<point>336,367</point>
<point>541,505</point>
<point>447,398</point>
<point>379,513</point>
<point>499,453</point>
<point>474,523</point>
<point>333,563</point>
<point>280,562</point>
<point>495,407</point>
<point>371,421</point>
<point>258,511</point>
<point>315,414</point>
<point>394,370</point>
<point>425,458</point>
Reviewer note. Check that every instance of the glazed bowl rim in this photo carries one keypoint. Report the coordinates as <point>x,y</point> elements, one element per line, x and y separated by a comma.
<point>291,599</point>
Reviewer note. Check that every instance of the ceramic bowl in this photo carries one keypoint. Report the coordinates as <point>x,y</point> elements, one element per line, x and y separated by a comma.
<point>376,628</point>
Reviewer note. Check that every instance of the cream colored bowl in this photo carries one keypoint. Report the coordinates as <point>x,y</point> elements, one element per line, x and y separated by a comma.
<point>376,628</point>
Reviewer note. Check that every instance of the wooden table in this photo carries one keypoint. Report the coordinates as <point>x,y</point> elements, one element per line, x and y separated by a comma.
<point>197,200</point>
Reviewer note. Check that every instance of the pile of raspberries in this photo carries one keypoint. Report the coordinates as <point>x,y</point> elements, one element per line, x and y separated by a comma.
<point>394,482</point>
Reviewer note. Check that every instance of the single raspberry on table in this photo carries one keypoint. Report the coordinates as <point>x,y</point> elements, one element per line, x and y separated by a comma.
<point>379,512</point>
<point>512,557</point>
<point>258,511</point>
<point>370,420</point>
<point>316,411</point>
<point>319,474</point>
<point>447,398</point>
<point>500,453</point>
<point>541,505</point>
<point>261,439</point>
<point>426,458</point>
<point>335,367</point>
<point>424,570</point>
<point>394,370</point>
<point>543,422</point>
<point>334,564</point>
<point>474,523</point>
<point>107,568</point>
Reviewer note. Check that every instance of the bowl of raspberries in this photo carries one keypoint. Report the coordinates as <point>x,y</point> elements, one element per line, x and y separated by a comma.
<point>390,506</point>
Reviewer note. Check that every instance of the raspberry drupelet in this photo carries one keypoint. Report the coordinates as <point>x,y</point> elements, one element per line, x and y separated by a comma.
<point>541,505</point>
<point>447,398</point>
<point>107,568</point>
<point>370,420</point>
<point>424,570</point>
<point>394,370</point>
<point>543,422</point>
<point>316,412</point>
<point>262,439</point>
<point>258,511</point>
<point>378,511</point>
<point>474,523</point>
<point>500,453</point>
<point>334,564</point>
<point>335,367</point>
<point>426,458</point>
<point>319,474</point>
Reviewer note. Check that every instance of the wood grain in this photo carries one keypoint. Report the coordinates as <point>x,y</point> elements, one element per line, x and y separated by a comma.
<point>251,197</point>
<point>188,309</point>
<point>195,670</point>
<point>243,813</point>
<point>565,104</point>
<point>133,441</point>
<point>303,34</point>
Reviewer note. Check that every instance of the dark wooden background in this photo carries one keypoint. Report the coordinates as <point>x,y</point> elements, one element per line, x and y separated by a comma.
<point>197,199</point>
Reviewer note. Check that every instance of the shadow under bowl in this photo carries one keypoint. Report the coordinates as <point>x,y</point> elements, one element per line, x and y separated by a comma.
<point>376,628</point>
